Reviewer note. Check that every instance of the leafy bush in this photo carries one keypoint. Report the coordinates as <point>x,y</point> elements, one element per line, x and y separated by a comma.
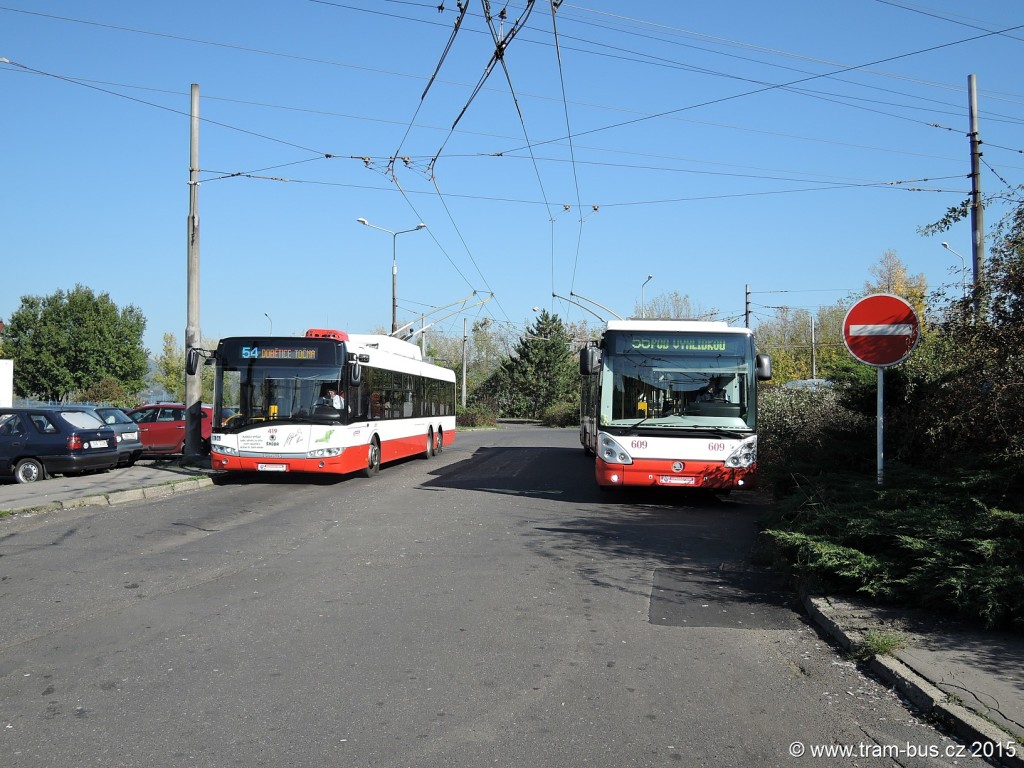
<point>920,540</point>
<point>477,415</point>
<point>561,415</point>
<point>935,535</point>
<point>807,432</point>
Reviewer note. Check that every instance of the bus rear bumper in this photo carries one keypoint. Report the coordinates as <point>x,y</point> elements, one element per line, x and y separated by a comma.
<point>662,472</point>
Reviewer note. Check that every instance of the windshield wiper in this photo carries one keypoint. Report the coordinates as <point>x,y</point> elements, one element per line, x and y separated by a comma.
<point>645,418</point>
<point>717,431</point>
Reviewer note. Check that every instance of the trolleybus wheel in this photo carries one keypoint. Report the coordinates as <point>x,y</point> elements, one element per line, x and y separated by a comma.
<point>429,451</point>
<point>372,459</point>
<point>439,443</point>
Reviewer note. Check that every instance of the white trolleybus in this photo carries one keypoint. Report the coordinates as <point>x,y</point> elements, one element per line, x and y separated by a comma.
<point>672,403</point>
<point>326,402</point>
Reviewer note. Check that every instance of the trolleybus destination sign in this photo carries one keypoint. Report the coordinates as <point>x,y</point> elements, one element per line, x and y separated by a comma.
<point>881,330</point>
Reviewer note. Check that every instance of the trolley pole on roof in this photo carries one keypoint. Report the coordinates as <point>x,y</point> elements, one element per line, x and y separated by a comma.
<point>194,383</point>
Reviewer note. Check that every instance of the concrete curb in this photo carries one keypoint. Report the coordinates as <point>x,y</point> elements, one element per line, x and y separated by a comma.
<point>932,702</point>
<point>135,494</point>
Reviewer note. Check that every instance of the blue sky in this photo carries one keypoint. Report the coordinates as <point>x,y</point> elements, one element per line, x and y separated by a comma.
<point>784,146</point>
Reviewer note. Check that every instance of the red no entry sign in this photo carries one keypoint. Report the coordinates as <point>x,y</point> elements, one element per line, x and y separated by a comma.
<point>881,330</point>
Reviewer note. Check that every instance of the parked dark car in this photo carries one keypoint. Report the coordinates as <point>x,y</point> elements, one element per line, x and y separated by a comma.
<point>129,444</point>
<point>162,427</point>
<point>38,442</point>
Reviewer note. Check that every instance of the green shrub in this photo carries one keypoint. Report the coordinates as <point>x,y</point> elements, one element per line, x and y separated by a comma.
<point>561,415</point>
<point>920,540</point>
<point>477,415</point>
<point>807,432</point>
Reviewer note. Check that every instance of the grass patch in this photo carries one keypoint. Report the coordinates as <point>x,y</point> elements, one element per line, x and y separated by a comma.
<point>879,643</point>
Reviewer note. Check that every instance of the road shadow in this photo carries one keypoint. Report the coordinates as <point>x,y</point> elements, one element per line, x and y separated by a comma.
<point>553,472</point>
<point>691,553</point>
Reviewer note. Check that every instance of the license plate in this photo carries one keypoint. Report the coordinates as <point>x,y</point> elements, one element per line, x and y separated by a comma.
<point>130,436</point>
<point>677,480</point>
<point>272,467</point>
<point>98,444</point>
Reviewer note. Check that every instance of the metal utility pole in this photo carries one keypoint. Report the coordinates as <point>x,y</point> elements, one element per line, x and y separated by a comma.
<point>193,383</point>
<point>977,225</point>
<point>746,310</point>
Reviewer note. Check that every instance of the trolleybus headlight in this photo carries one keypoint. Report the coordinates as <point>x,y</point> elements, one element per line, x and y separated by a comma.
<point>321,453</point>
<point>744,456</point>
<point>225,450</point>
<point>613,453</point>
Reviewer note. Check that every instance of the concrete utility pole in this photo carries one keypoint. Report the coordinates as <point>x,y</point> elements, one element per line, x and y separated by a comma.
<point>977,225</point>
<point>465,344</point>
<point>193,383</point>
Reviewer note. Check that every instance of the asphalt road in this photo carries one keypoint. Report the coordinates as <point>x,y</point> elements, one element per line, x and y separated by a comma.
<point>487,607</point>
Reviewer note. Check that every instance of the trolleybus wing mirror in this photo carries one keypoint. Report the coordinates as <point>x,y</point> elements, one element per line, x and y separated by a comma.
<point>192,357</point>
<point>763,365</point>
<point>590,361</point>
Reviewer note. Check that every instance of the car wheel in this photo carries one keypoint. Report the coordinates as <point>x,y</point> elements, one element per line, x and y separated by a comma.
<point>29,470</point>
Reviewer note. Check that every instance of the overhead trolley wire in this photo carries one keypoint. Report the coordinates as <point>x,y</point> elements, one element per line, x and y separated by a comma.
<point>778,86</point>
<point>572,153</point>
<point>463,6</point>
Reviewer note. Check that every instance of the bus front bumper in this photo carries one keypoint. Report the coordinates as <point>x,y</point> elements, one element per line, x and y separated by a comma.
<point>663,472</point>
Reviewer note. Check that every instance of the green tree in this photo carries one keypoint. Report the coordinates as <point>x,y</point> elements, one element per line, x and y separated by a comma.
<point>66,342</point>
<point>891,276</point>
<point>484,350</point>
<point>170,369</point>
<point>109,392</point>
<point>541,372</point>
<point>799,353</point>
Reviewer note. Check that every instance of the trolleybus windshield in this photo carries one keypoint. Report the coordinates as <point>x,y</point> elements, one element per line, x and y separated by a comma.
<point>678,381</point>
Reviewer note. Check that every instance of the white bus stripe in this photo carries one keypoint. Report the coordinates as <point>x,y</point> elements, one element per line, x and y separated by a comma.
<point>894,329</point>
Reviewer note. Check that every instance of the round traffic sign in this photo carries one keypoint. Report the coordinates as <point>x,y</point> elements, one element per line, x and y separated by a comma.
<point>881,330</point>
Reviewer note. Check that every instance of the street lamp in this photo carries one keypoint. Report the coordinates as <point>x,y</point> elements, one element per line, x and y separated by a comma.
<point>271,323</point>
<point>643,308</point>
<point>394,264</point>
<point>963,268</point>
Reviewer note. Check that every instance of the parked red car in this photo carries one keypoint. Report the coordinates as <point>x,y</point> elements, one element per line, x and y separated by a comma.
<point>162,427</point>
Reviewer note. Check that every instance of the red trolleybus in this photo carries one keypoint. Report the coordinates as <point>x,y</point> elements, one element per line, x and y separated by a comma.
<point>327,402</point>
<point>672,403</point>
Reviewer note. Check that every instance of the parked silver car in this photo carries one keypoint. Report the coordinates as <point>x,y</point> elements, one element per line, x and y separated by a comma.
<point>129,441</point>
